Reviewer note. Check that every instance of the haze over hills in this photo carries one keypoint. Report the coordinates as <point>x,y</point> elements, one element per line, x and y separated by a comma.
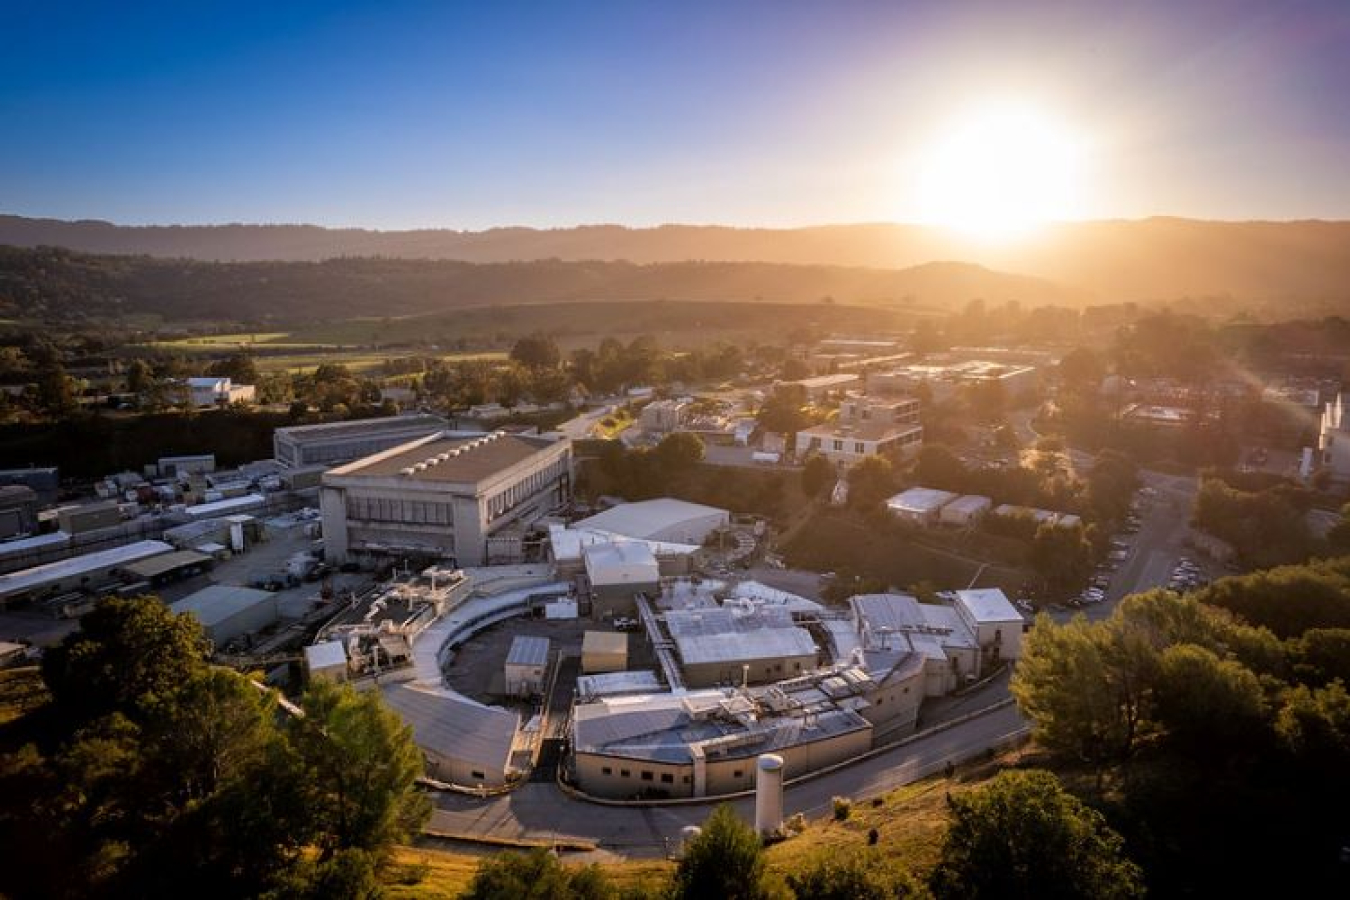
<point>1147,259</point>
<point>54,284</point>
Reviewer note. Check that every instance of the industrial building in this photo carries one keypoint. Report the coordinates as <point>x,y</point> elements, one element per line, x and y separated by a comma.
<point>332,443</point>
<point>45,481</point>
<point>79,574</point>
<point>740,644</point>
<point>157,571</point>
<point>920,505</point>
<point>942,377</point>
<point>227,612</point>
<point>865,427</point>
<point>604,651</point>
<point>462,742</point>
<point>617,571</point>
<point>18,511</point>
<point>526,666</point>
<point>995,622</point>
<point>1039,516</point>
<point>442,496</point>
<point>661,519</point>
<point>822,386</point>
<point>661,416</point>
<point>90,517</point>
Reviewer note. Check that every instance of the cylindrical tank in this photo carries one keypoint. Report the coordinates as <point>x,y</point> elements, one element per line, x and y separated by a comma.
<point>769,793</point>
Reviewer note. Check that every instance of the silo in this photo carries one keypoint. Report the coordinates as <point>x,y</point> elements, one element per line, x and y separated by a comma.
<point>769,794</point>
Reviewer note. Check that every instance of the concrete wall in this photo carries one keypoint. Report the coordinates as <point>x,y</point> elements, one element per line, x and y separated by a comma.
<point>523,681</point>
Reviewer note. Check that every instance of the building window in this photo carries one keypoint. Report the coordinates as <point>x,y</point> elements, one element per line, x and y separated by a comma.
<point>479,776</point>
<point>688,779</point>
<point>839,446</point>
<point>667,778</point>
<point>625,773</point>
<point>858,447</point>
<point>646,776</point>
<point>737,774</point>
<point>606,770</point>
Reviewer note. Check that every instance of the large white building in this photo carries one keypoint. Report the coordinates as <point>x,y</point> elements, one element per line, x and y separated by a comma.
<point>217,391</point>
<point>331,443</point>
<point>442,496</point>
<point>866,427</point>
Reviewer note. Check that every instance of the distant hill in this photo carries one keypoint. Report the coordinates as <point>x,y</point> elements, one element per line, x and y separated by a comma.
<point>1147,259</point>
<point>59,285</point>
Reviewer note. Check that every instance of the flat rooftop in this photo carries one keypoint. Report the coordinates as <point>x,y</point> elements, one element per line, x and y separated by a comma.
<point>988,605</point>
<point>920,499</point>
<point>449,457</point>
<point>528,651</point>
<point>363,426</point>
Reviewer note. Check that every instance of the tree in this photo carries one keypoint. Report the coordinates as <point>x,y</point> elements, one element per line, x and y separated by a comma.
<point>782,411</point>
<point>1062,556</point>
<point>239,368</point>
<point>938,467</point>
<point>139,376</point>
<point>536,874</point>
<point>128,654</point>
<point>679,451</point>
<point>362,766</point>
<point>1202,700</point>
<point>726,860</point>
<point>817,475</point>
<point>1023,835</point>
<point>870,482</point>
<point>536,351</point>
<point>56,390</point>
<point>1081,371</point>
<point>856,876</point>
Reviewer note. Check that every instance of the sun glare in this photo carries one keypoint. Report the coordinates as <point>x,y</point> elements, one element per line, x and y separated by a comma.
<point>999,172</point>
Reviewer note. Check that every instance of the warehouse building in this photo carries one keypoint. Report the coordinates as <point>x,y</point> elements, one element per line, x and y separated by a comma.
<point>227,612</point>
<point>332,443</point>
<point>996,623</point>
<point>326,661</point>
<point>90,517</point>
<point>617,572</point>
<point>168,567</point>
<point>443,496</point>
<point>526,666</point>
<point>86,573</point>
<point>18,511</point>
<point>45,482</point>
<point>965,512</point>
<point>662,519</point>
<point>462,742</point>
<point>942,635</point>
<point>920,505</point>
<point>739,643</point>
<point>705,743</point>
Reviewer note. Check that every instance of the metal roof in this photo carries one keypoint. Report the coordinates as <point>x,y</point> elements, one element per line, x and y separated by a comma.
<point>528,651</point>
<point>731,635</point>
<point>450,726</point>
<point>988,605</point>
<point>357,427</point>
<point>920,500</point>
<point>648,519</point>
<point>453,457</point>
<point>214,604</point>
<point>80,565</point>
<point>604,642</point>
<point>326,655</point>
<point>161,565</point>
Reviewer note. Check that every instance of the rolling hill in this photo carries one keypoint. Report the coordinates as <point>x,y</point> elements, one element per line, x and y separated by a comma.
<point>1146,259</point>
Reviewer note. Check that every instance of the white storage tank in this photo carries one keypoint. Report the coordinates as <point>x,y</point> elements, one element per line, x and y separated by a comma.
<point>769,794</point>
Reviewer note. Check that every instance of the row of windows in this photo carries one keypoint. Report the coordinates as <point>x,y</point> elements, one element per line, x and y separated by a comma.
<point>387,509</point>
<point>506,500</point>
<point>666,777</point>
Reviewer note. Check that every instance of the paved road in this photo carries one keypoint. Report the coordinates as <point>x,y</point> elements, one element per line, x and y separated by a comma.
<point>541,811</point>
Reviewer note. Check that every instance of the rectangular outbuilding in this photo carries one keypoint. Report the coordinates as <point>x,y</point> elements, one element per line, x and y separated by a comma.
<point>526,666</point>
<point>326,661</point>
<point>919,505</point>
<point>228,611</point>
<point>604,651</point>
<point>965,512</point>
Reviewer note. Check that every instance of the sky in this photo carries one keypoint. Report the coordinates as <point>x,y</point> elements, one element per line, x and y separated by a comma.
<point>437,114</point>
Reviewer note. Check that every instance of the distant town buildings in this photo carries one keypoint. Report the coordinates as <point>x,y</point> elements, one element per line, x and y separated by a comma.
<point>1333,441</point>
<point>866,426</point>
<point>216,391</point>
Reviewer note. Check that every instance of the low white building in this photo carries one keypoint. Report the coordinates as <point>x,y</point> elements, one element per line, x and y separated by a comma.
<point>663,519</point>
<point>326,661</point>
<point>920,505</point>
<point>217,391</point>
<point>616,572</point>
<point>996,623</point>
<point>228,611</point>
<point>663,415</point>
<point>965,512</point>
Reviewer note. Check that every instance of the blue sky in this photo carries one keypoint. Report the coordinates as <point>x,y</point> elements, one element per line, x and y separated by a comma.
<point>400,114</point>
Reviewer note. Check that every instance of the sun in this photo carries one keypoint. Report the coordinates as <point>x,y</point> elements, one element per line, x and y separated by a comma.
<point>999,171</point>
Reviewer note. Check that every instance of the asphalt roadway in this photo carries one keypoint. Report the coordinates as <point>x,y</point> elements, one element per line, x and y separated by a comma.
<point>541,811</point>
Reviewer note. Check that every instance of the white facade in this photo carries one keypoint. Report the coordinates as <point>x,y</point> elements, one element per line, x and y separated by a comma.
<point>215,391</point>
<point>965,512</point>
<point>662,519</point>
<point>442,496</point>
<point>866,427</point>
<point>995,621</point>
<point>621,563</point>
<point>663,415</point>
<point>920,505</point>
<point>526,666</point>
